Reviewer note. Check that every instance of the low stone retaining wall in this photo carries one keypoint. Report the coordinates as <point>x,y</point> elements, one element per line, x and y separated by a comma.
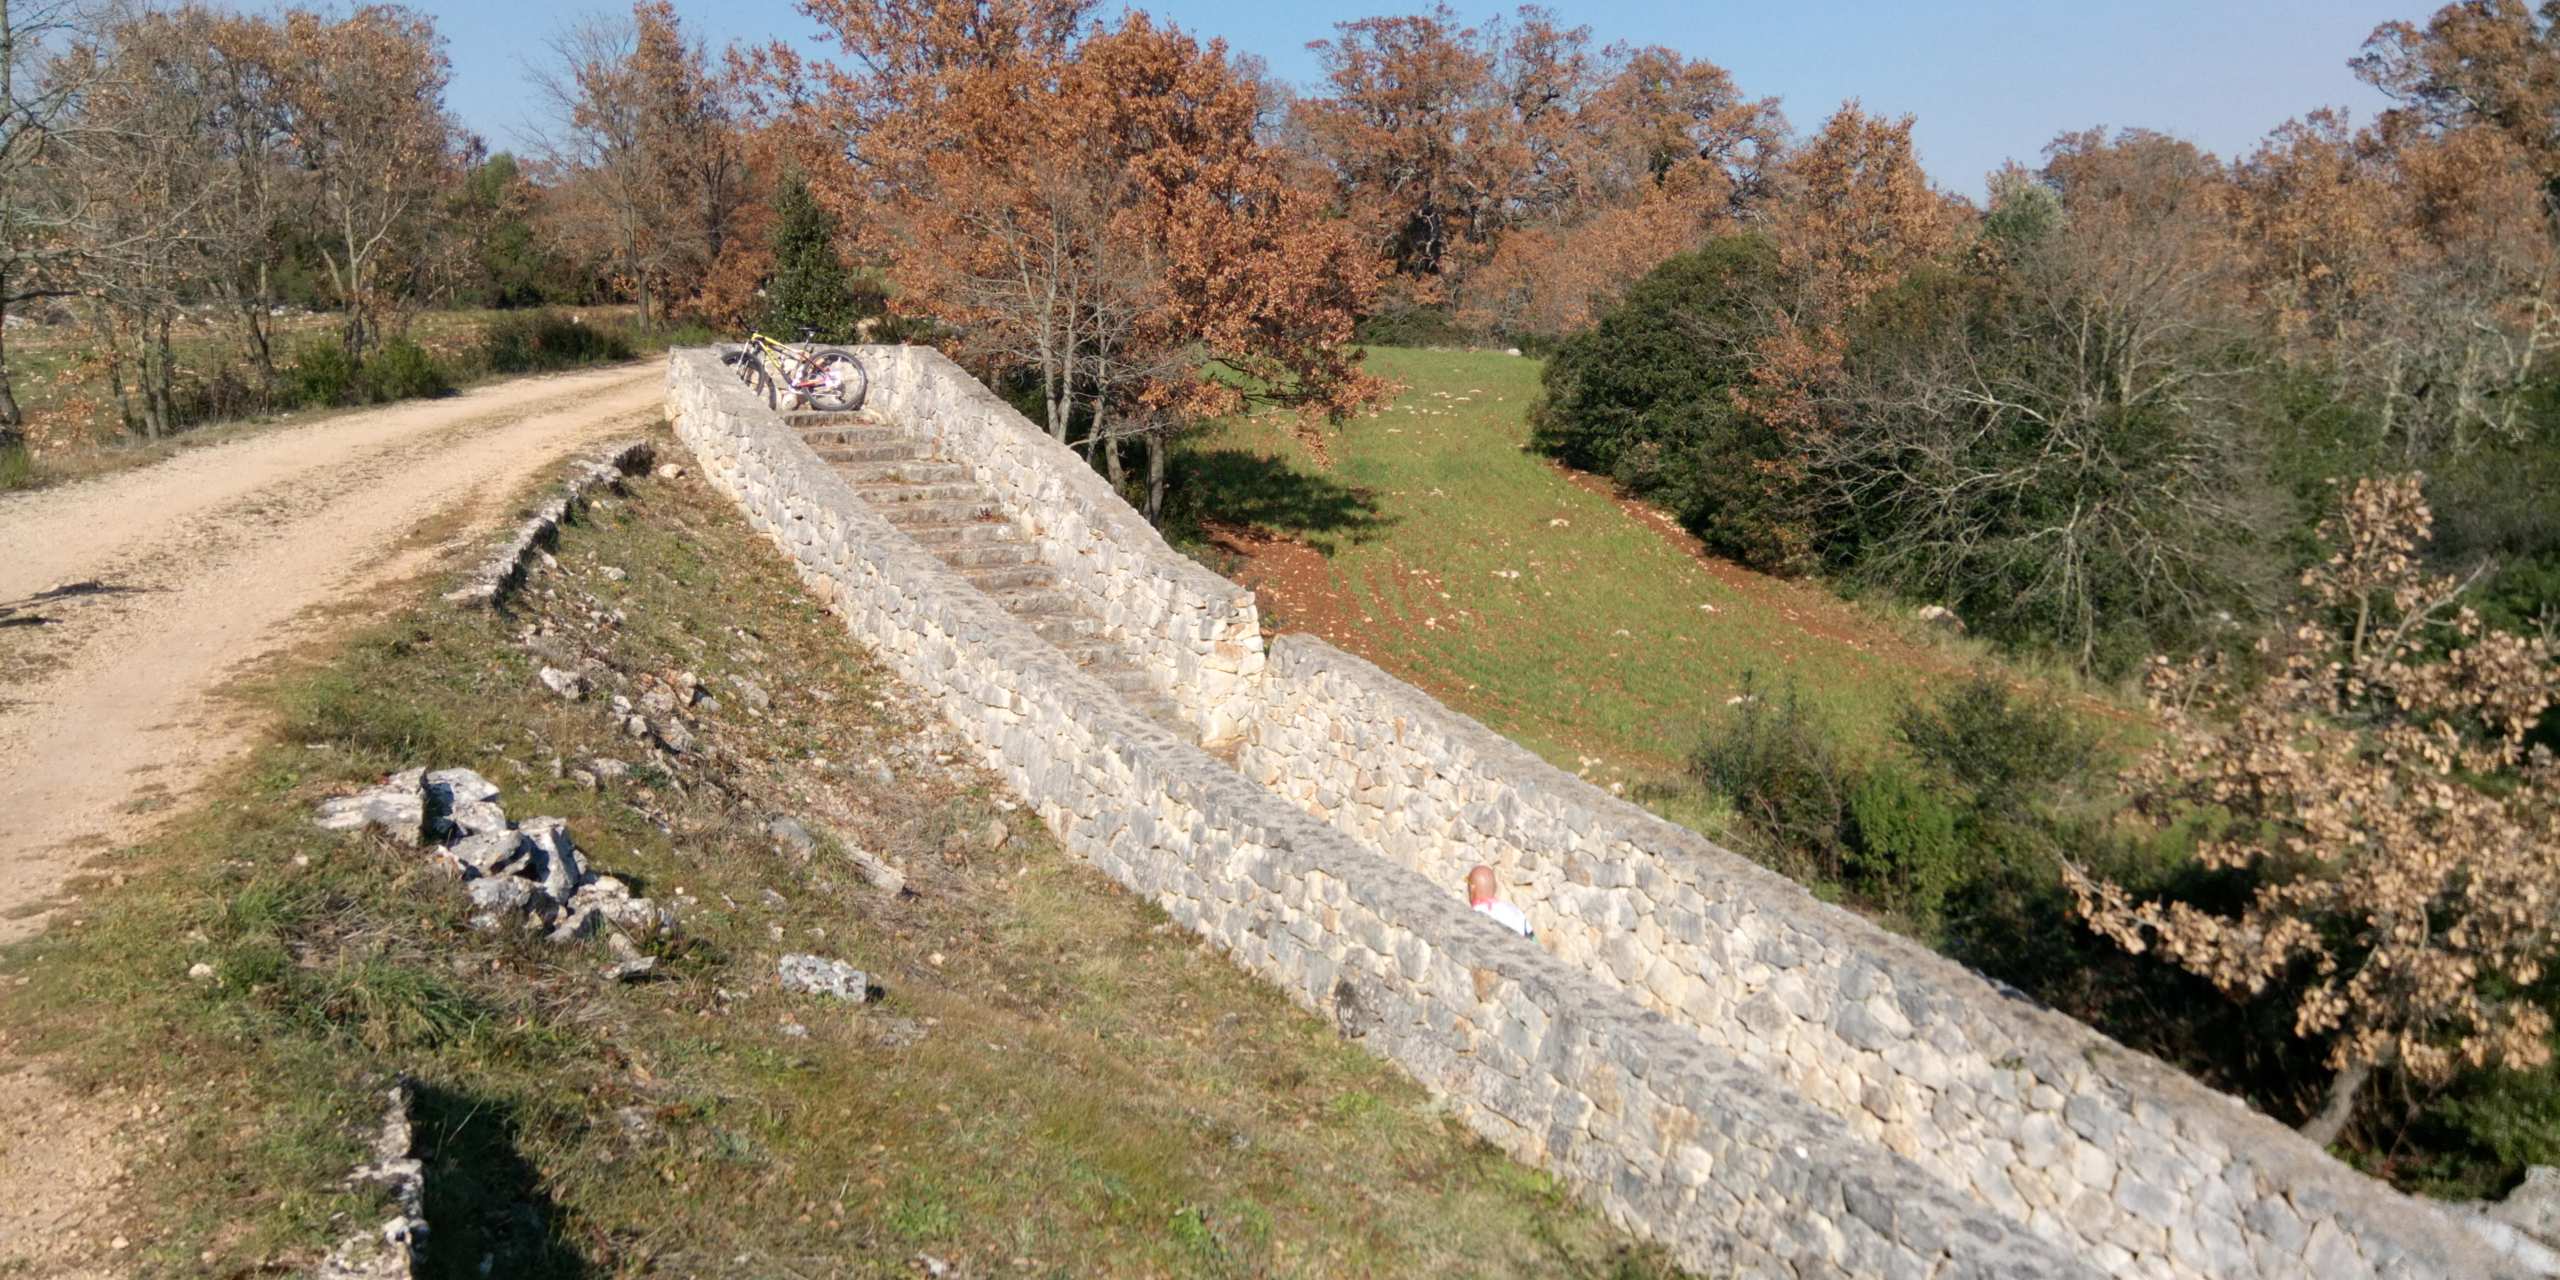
<point>504,569</point>
<point>1672,1136</point>
<point>2133,1165</point>
<point>1199,632</point>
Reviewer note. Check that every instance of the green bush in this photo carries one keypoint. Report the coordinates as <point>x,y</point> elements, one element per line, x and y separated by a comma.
<point>1788,780</point>
<point>1646,397</point>
<point>540,341</point>
<point>401,370</point>
<point>1905,843</point>
<point>2002,751</point>
<point>17,467</point>
<point>323,374</point>
<point>1412,326</point>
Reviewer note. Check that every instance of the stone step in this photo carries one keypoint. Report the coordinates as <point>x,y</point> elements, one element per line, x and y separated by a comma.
<point>1011,577</point>
<point>829,417</point>
<point>986,555</point>
<point>886,494</point>
<point>917,515</point>
<point>1087,648</point>
<point>890,450</point>
<point>850,433</point>
<point>1124,677</point>
<point>1062,626</point>
<point>970,533</point>
<point>860,474</point>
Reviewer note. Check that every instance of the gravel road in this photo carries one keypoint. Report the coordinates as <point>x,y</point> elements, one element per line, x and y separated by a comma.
<point>128,603</point>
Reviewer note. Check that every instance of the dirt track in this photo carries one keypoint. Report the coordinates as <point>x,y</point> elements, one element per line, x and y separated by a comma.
<point>127,602</point>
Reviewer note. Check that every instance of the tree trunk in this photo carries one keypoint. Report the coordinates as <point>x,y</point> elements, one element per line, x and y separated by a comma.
<point>2325,1127</point>
<point>1155,477</point>
<point>12,419</point>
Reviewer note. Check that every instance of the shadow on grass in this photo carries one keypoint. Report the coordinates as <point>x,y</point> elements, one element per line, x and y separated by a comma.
<point>1238,487</point>
<point>484,1199</point>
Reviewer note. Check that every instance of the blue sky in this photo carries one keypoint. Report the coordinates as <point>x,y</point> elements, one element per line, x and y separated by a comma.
<point>1988,81</point>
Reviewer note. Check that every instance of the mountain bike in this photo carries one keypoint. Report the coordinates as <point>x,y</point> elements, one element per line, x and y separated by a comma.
<point>797,376</point>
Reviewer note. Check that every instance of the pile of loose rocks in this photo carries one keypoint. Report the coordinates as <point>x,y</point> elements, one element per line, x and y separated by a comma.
<point>525,875</point>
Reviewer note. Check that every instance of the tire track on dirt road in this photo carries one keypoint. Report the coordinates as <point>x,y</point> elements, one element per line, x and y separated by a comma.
<point>219,558</point>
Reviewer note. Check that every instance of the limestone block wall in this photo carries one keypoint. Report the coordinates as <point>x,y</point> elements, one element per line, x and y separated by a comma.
<point>1673,1136</point>
<point>1200,633</point>
<point>2129,1163</point>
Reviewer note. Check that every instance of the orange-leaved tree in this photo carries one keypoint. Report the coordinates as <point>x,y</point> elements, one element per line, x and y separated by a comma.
<point>2398,830</point>
<point>1852,215</point>
<point>1093,207</point>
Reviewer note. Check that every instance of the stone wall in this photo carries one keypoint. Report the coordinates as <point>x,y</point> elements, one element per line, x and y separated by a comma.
<point>1199,632</point>
<point>2134,1166</point>
<point>1673,1136</point>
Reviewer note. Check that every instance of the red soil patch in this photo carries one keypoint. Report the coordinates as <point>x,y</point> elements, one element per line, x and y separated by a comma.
<point>1297,585</point>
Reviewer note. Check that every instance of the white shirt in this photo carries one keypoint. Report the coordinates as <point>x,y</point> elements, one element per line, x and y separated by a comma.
<point>1507,916</point>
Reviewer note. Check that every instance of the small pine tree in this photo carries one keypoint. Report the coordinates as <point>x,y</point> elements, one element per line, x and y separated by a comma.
<point>811,291</point>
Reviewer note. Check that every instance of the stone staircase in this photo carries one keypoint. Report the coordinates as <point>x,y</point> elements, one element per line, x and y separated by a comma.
<point>937,503</point>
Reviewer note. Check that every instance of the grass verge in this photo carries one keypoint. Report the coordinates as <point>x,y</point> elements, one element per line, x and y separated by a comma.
<point>1057,1082</point>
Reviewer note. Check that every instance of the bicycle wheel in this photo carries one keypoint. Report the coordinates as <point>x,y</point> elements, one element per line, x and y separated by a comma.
<point>836,381</point>
<point>760,379</point>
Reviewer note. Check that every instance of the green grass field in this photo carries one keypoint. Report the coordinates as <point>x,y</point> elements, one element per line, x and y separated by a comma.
<point>1431,542</point>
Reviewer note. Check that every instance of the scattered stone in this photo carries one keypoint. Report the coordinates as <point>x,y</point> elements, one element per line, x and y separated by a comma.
<point>501,896</point>
<point>750,692</point>
<point>580,924</point>
<point>460,803</point>
<point>611,573</point>
<point>554,860</point>
<point>995,835</point>
<point>876,873</point>
<point>818,976</point>
<point>897,1033</point>
<point>568,684</point>
<point>792,835</point>
<point>1941,617</point>
<point>200,971</point>
<point>628,964</point>
<point>670,471</point>
<point>607,769</point>
<point>672,735</point>
<point>397,806</point>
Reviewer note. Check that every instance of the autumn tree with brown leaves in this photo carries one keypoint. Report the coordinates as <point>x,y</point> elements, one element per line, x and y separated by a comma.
<point>1097,209</point>
<point>1521,175</point>
<point>2378,790</point>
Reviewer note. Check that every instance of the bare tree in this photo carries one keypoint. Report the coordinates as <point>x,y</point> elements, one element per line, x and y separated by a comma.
<point>41,216</point>
<point>651,172</point>
<point>363,97</point>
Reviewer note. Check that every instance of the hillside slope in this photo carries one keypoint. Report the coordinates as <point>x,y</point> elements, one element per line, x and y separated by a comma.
<point>1587,627</point>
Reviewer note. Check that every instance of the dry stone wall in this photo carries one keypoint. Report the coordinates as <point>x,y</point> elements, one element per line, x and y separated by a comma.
<point>1671,1135</point>
<point>1198,632</point>
<point>2133,1165</point>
